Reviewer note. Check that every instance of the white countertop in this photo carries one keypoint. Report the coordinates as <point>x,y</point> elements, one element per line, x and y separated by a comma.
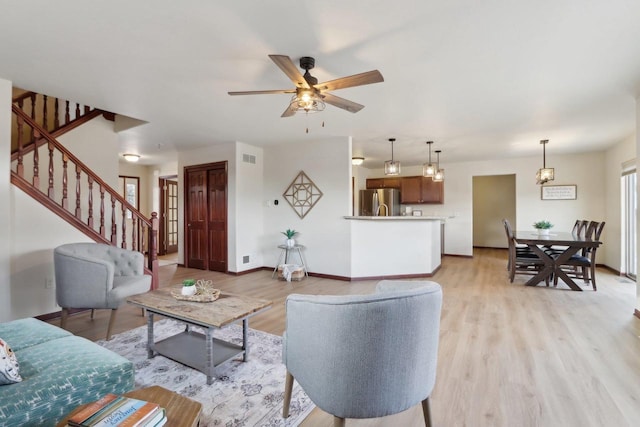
<point>398,218</point>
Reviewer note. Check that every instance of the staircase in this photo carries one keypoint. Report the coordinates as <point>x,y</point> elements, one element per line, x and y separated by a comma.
<point>51,174</point>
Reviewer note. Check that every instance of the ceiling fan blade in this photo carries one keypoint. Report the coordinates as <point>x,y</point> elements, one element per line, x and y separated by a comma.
<point>356,80</point>
<point>288,112</point>
<point>345,104</point>
<point>261,92</point>
<point>286,64</point>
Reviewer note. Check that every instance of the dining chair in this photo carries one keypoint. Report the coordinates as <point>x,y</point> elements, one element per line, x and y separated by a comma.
<point>583,265</point>
<point>364,356</point>
<point>97,276</point>
<point>521,259</point>
<point>579,228</point>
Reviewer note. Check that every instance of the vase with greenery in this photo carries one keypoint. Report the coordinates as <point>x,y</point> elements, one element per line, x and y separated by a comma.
<point>289,233</point>
<point>188,287</point>
<point>543,227</point>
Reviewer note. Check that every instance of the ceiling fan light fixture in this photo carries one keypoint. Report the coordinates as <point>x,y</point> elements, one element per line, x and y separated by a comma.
<point>357,161</point>
<point>391,167</point>
<point>544,174</point>
<point>306,100</point>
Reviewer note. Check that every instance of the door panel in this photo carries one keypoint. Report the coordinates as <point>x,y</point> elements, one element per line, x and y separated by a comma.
<point>196,220</point>
<point>217,220</point>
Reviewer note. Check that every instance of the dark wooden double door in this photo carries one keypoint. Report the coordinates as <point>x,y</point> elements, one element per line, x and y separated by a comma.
<point>206,216</point>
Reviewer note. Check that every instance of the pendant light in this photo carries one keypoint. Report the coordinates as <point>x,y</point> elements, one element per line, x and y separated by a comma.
<point>544,174</point>
<point>439,175</point>
<point>391,167</point>
<point>428,169</point>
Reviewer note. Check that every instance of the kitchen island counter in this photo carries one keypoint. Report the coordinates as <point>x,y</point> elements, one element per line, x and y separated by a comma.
<point>394,246</point>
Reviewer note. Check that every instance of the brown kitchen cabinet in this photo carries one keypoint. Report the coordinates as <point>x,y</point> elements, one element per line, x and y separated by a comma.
<point>373,183</point>
<point>421,190</point>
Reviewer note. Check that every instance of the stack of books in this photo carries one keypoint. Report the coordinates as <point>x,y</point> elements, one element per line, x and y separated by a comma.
<point>113,410</point>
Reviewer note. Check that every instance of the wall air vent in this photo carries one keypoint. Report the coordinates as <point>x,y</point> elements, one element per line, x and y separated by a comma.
<point>249,158</point>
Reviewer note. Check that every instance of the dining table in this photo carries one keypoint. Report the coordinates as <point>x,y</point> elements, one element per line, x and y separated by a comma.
<point>565,245</point>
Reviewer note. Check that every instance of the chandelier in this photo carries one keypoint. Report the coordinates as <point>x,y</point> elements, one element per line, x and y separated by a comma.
<point>428,169</point>
<point>544,174</point>
<point>391,167</point>
<point>439,175</point>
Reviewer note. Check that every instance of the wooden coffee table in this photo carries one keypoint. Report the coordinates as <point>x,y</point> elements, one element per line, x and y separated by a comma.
<point>181,411</point>
<point>194,349</point>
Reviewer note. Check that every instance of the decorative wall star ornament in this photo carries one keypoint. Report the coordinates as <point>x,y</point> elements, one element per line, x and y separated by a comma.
<point>302,194</point>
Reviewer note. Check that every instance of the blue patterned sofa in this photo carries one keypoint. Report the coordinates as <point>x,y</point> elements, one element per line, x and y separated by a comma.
<point>59,372</point>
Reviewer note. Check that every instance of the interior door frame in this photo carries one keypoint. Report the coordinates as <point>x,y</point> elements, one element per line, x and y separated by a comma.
<point>186,208</point>
<point>162,247</point>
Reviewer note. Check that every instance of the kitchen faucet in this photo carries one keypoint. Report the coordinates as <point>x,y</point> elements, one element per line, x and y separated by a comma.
<point>386,210</point>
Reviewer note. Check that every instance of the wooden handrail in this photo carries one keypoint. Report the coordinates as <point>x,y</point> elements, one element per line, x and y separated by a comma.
<point>56,116</point>
<point>72,211</point>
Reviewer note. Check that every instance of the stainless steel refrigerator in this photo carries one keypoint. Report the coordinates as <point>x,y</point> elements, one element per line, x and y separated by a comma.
<point>380,202</point>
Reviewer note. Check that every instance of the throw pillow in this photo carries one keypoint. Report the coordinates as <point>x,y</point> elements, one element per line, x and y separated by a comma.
<point>9,369</point>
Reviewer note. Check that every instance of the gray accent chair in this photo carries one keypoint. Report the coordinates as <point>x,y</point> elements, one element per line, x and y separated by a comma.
<point>364,356</point>
<point>96,276</point>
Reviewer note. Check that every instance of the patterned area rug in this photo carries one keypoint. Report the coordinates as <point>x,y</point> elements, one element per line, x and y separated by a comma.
<point>242,394</point>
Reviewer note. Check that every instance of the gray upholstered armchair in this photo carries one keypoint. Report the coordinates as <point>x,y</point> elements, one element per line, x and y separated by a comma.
<point>364,356</point>
<point>95,275</point>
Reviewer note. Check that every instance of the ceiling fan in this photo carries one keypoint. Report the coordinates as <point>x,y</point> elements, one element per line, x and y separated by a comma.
<point>311,96</point>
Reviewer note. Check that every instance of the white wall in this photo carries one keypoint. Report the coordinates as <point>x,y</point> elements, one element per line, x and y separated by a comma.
<point>96,145</point>
<point>249,227</point>
<point>36,233</point>
<point>5,208</point>
<point>323,231</point>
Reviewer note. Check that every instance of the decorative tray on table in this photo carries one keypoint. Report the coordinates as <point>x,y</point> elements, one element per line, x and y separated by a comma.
<point>205,292</point>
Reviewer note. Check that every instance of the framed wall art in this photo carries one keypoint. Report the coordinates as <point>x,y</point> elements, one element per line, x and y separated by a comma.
<point>302,194</point>
<point>559,192</point>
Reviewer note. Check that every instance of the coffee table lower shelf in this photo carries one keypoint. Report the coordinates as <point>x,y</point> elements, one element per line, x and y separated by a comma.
<point>190,348</point>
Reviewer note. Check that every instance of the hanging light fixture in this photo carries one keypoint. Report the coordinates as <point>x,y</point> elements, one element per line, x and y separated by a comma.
<point>391,167</point>
<point>439,175</point>
<point>357,161</point>
<point>544,174</point>
<point>428,169</point>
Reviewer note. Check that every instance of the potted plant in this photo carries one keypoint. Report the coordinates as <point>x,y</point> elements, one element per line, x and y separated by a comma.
<point>543,227</point>
<point>290,242</point>
<point>188,287</point>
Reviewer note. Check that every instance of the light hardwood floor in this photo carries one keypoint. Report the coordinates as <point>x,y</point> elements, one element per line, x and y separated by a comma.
<point>510,355</point>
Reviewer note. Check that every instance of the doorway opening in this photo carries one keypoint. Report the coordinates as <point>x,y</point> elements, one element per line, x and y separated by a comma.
<point>494,199</point>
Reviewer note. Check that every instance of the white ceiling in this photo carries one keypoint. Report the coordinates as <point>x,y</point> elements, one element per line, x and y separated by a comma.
<point>483,79</point>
